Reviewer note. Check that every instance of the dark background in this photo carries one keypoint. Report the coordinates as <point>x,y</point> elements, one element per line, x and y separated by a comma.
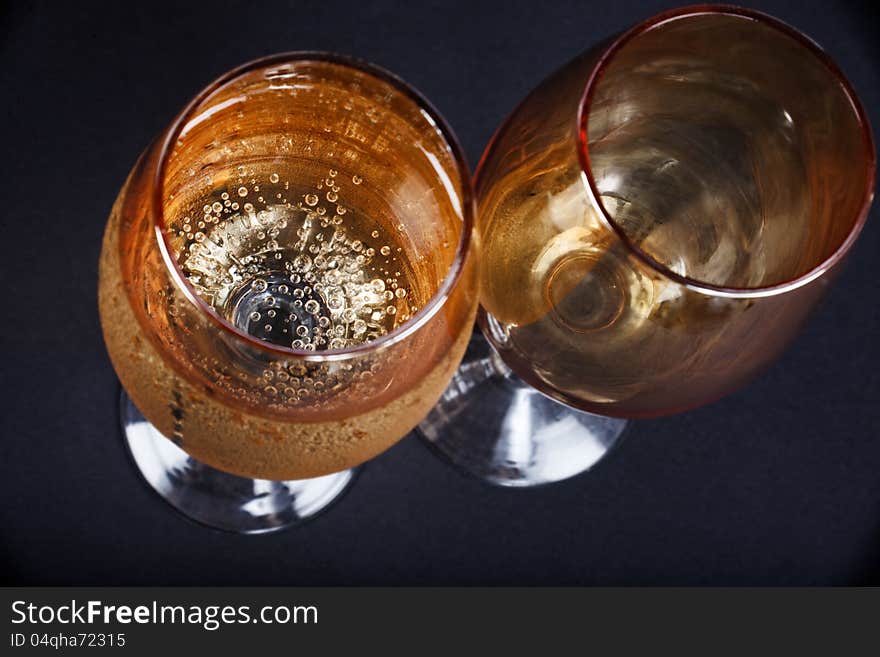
<point>777,484</point>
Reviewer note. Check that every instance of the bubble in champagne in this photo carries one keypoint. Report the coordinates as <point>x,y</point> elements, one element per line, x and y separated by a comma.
<point>302,262</point>
<point>335,301</point>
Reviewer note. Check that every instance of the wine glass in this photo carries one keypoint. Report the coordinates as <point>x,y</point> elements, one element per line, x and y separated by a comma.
<point>287,284</point>
<point>657,219</point>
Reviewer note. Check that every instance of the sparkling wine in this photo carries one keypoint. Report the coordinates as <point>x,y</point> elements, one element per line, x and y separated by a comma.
<point>317,209</point>
<point>295,264</point>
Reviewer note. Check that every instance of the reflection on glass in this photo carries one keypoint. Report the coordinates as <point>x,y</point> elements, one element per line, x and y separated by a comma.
<point>286,285</point>
<point>657,220</point>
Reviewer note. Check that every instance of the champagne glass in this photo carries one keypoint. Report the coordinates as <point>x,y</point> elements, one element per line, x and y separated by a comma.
<point>657,220</point>
<point>286,286</point>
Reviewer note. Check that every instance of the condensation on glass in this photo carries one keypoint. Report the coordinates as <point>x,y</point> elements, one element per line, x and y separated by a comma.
<point>337,140</point>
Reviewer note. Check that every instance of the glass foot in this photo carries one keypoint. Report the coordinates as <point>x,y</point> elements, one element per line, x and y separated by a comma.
<point>218,499</point>
<point>495,426</point>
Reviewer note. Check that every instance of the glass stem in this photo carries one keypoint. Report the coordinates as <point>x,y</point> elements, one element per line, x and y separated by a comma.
<point>476,372</point>
<point>495,426</point>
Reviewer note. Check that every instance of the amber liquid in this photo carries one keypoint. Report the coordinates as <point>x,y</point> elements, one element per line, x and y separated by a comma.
<point>289,258</point>
<point>297,265</point>
<point>311,208</point>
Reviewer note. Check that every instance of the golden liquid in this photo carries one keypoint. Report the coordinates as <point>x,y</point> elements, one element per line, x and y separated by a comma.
<point>312,207</point>
<point>297,264</point>
<point>312,211</point>
<point>373,278</point>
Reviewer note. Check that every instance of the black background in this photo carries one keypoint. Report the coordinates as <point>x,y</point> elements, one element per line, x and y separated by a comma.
<point>777,484</point>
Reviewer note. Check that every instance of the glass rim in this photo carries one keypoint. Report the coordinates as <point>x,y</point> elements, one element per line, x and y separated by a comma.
<point>453,274</point>
<point>809,46</point>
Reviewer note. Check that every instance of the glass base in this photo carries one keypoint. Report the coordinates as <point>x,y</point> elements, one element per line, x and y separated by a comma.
<point>218,499</point>
<point>493,425</point>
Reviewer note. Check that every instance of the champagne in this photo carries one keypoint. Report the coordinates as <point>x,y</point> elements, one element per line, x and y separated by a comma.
<point>316,209</point>
<point>295,264</point>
